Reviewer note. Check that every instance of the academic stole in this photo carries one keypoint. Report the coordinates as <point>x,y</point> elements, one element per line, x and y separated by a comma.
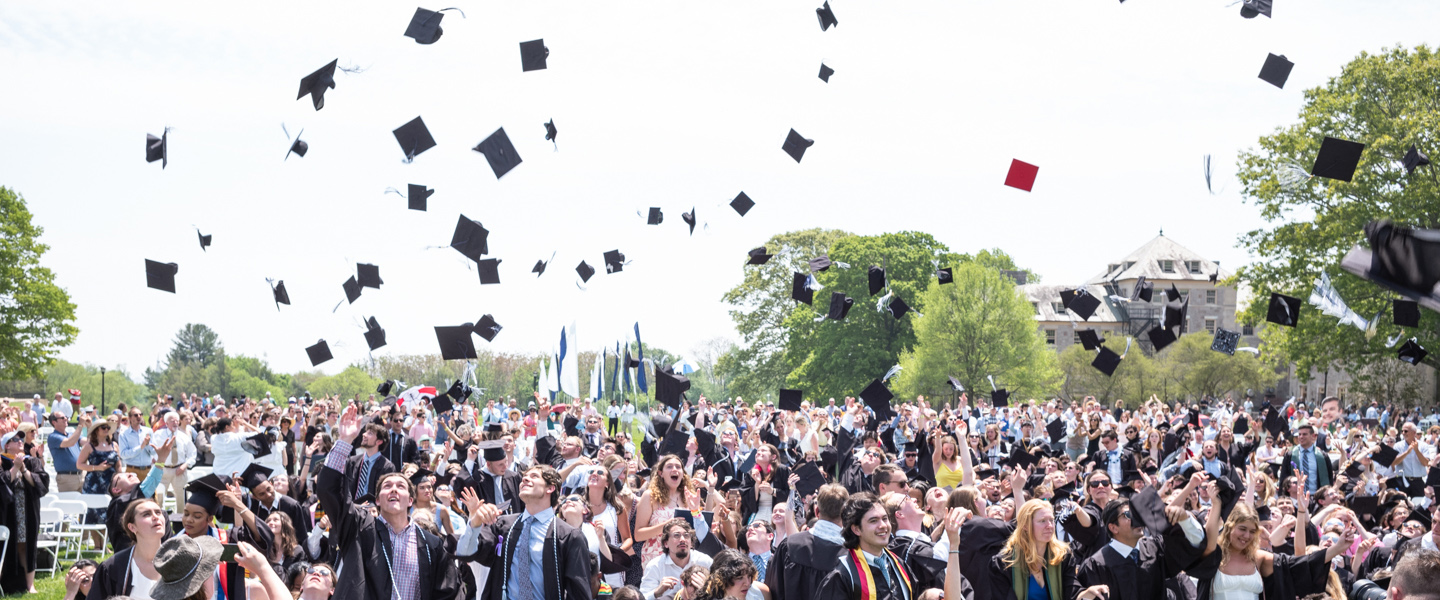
<point>867,578</point>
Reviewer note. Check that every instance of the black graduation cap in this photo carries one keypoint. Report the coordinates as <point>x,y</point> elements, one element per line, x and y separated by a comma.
<point>1090,339</point>
<point>674,442</point>
<point>1068,296</point>
<point>798,290</point>
<point>791,399</point>
<point>944,276</point>
<point>1160,337</point>
<point>316,83</point>
<point>1370,423</point>
<point>1353,469</point>
<point>158,148</point>
<point>425,26</point>
<point>825,73</point>
<point>1225,341</point>
<point>1149,509</point>
<point>827,17</point>
<point>1172,294</point>
<point>759,257</point>
<point>1143,290</point>
<point>418,197</point>
<point>1365,505</point>
<point>494,450</point>
<point>458,392</point>
<point>1106,361</point>
<point>1000,397</point>
<point>1252,8</point>
<point>414,138</point>
<point>839,306</point>
<point>1276,70</point>
<point>585,271</point>
<point>1337,159</point>
<point>1175,313</point>
<point>878,397</point>
<point>258,445</point>
<point>1273,423</point>
<point>1412,352</point>
<point>1056,429</point>
<point>352,289</point>
<point>254,475</point>
<point>204,239</point>
<point>1414,159</point>
<point>1283,310</point>
<point>876,277</point>
<point>705,441</point>
<point>811,478</point>
<point>281,296</point>
<point>1385,455</point>
<point>374,335</point>
<point>470,238</point>
<point>487,328</point>
<point>655,217</point>
<point>689,219</point>
<point>489,270</point>
<point>1084,304</point>
<point>161,276</point>
<point>420,474</point>
<point>614,262</point>
<point>539,268</point>
<point>298,146</point>
<point>956,385</point>
<point>669,385</point>
<point>1413,487</point>
<point>455,342</point>
<point>795,145</point>
<point>368,275</point>
<point>1406,313</point>
<point>898,307</point>
<point>742,204</point>
<point>319,353</point>
<point>493,428</point>
<point>820,263</point>
<point>204,497</point>
<point>1400,258</point>
<point>550,132</point>
<point>1020,457</point>
<point>384,388</point>
<point>499,152</point>
<point>533,54</point>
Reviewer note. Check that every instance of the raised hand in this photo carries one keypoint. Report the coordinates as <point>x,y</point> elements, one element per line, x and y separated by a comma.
<point>953,522</point>
<point>349,426</point>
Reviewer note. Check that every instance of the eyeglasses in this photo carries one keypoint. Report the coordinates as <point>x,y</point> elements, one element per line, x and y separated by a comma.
<point>319,571</point>
<point>573,498</point>
<point>1100,483</point>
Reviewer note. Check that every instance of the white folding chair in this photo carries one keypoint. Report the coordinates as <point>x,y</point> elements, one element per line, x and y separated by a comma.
<point>47,499</point>
<point>96,530</point>
<point>4,546</point>
<point>73,513</point>
<point>52,522</point>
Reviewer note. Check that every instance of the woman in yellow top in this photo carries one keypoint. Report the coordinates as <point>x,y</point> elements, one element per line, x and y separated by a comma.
<point>952,466</point>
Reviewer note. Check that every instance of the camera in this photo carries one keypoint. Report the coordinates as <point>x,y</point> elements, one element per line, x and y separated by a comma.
<point>1364,589</point>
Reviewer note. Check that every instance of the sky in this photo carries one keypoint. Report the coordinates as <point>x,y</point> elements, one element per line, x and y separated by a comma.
<point>679,105</point>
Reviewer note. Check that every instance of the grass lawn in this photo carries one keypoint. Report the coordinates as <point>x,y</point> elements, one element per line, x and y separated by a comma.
<point>53,588</point>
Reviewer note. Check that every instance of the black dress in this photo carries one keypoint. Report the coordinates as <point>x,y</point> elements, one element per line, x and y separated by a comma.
<point>21,494</point>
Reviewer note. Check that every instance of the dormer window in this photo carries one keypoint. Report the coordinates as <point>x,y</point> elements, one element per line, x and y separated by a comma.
<point>1167,266</point>
<point>1194,267</point>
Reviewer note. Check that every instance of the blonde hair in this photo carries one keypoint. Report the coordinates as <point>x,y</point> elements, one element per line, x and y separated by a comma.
<point>1242,514</point>
<point>1022,546</point>
<point>659,495</point>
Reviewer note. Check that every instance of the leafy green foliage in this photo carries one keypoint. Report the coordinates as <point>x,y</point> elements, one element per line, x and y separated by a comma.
<point>36,316</point>
<point>1194,370</point>
<point>64,375</point>
<point>1137,377</point>
<point>353,382</point>
<point>1387,102</point>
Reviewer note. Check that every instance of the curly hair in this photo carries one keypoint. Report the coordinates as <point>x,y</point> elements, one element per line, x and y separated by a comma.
<point>728,567</point>
<point>659,494</point>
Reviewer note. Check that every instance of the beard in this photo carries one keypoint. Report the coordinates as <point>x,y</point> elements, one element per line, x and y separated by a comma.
<point>681,554</point>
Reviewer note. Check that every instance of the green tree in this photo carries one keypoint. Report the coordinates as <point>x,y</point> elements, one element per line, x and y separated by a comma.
<point>1387,102</point>
<point>63,375</point>
<point>1137,377</point>
<point>196,344</point>
<point>36,316</point>
<point>977,327</point>
<point>761,304</point>
<point>831,358</point>
<point>349,383</point>
<point>252,377</point>
<point>1195,371</point>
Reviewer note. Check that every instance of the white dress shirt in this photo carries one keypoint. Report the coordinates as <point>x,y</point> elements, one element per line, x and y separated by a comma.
<point>661,567</point>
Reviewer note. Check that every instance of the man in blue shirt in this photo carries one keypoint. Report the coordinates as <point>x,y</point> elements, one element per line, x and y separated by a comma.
<point>132,442</point>
<point>64,450</point>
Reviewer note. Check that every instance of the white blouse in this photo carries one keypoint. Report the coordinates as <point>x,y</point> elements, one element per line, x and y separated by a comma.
<point>1237,587</point>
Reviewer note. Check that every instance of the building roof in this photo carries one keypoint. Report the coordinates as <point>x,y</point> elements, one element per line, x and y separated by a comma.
<point>1146,261</point>
<point>1046,296</point>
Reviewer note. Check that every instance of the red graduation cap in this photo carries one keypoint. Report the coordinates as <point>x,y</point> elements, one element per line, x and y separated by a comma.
<point>1022,175</point>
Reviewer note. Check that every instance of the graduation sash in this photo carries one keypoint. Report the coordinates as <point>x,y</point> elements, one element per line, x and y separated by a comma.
<point>866,579</point>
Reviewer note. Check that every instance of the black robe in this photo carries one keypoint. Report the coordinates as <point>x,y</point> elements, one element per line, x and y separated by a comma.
<point>382,467</point>
<point>566,564</point>
<point>362,543</point>
<point>843,583</point>
<point>27,488</point>
<point>119,539</point>
<point>980,539</point>
<point>1002,588</point>
<point>401,453</point>
<point>299,515</point>
<point>1291,577</point>
<point>484,484</point>
<point>919,558</point>
<point>750,494</point>
<point>799,566</point>
<point>1160,558</point>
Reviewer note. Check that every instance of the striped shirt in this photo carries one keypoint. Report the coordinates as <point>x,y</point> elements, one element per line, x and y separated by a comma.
<point>404,563</point>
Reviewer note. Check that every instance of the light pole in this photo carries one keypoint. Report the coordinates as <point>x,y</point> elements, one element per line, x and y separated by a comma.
<point>102,392</point>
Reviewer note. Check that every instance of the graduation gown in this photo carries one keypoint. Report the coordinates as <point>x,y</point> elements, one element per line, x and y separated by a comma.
<point>112,577</point>
<point>1291,577</point>
<point>401,452</point>
<point>980,539</point>
<point>799,566</point>
<point>484,484</point>
<point>1129,465</point>
<point>27,488</point>
<point>299,515</point>
<point>1160,558</point>
<point>382,467</point>
<point>845,581</point>
<point>750,494</point>
<point>232,574</point>
<point>1086,540</point>
<point>1001,578</point>
<point>566,562</point>
<point>918,555</point>
<point>362,543</point>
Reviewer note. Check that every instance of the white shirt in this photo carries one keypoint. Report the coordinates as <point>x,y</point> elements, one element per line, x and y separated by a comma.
<point>229,457</point>
<point>183,452</point>
<point>1120,548</point>
<point>1414,465</point>
<point>140,585</point>
<point>661,567</point>
<point>63,407</point>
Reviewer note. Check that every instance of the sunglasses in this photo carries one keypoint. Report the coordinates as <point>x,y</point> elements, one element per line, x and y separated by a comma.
<point>319,571</point>
<point>1100,483</point>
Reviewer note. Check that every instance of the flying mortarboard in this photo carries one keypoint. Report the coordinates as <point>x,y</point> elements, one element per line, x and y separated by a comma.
<point>160,276</point>
<point>368,275</point>
<point>811,478</point>
<point>673,442</point>
<point>470,238</point>
<point>795,145</point>
<point>550,132</point>
<point>656,216</point>
<point>1225,341</point>
<point>1364,505</point>
<point>425,26</point>
<point>1000,397</point>
<point>1276,70</point>
<point>1172,294</point>
<point>1176,312</point>
<point>1406,313</point>
<point>742,204</point>
<point>1412,352</point>
<point>533,54</point>
<point>414,138</point>
<point>281,296</point>
<point>1021,175</point>
<point>1160,337</point>
<point>499,152</point>
<point>1090,339</point>
<point>839,306</point>
<point>489,270</point>
<point>384,388</point>
<point>157,148</point>
<point>956,385</point>
<point>820,263</point>
<point>1400,258</point>
<point>1413,487</point>
<point>898,307</point>
<point>492,450</point>
<point>825,73</point>
<point>791,399</point>
<point>374,335</point>
<point>1414,159</point>
<point>443,403</point>
<point>586,271</point>
<point>1056,429</point>
<point>1252,8</point>
<point>1106,361</point>
<point>1283,310</point>
<point>257,445</point>
<point>418,197</point>
<point>1019,457</point>
<point>614,262</point>
<point>316,83</point>
<point>826,16</point>
<point>455,342</point>
<point>319,353</point>
<point>759,257</point>
<point>298,146</point>
<point>876,276</point>
<point>669,385</point>
<point>204,239</point>
<point>1384,455</point>
<point>944,275</point>
<point>689,219</point>
<point>1143,290</point>
<point>1068,296</point>
<point>798,290</point>
<point>487,328</point>
<point>878,397</point>
<point>1084,304</point>
<point>1337,159</point>
<point>352,289</point>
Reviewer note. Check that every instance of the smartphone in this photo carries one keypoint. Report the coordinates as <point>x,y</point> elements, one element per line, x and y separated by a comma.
<point>228,554</point>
